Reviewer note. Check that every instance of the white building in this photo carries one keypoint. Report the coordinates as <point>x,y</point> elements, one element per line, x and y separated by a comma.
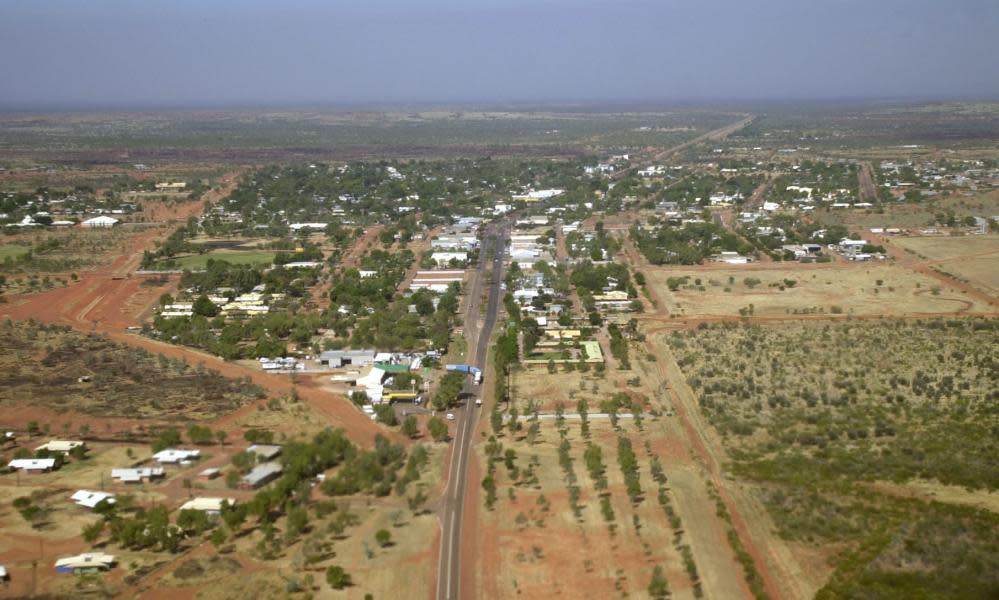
<point>89,499</point>
<point>83,563</point>
<point>64,446</point>
<point>212,506</point>
<point>101,221</point>
<point>32,465</point>
<point>445,258</point>
<point>137,475</point>
<point>174,456</point>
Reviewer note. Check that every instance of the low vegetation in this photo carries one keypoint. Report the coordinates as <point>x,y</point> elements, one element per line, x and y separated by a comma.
<point>818,415</point>
<point>54,367</point>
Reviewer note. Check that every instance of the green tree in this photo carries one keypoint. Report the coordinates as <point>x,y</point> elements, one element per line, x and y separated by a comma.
<point>199,434</point>
<point>298,521</point>
<point>658,586</point>
<point>410,427</point>
<point>383,537</point>
<point>438,429</point>
<point>93,531</point>
<point>168,438</point>
<point>204,307</point>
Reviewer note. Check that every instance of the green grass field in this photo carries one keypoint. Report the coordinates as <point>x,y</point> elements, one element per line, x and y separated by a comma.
<point>11,251</point>
<point>200,261</point>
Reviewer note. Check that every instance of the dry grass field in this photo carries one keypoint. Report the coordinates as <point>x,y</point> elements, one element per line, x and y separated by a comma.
<point>778,289</point>
<point>973,258</point>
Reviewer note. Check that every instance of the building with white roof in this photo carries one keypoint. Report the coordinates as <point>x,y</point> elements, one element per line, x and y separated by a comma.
<point>137,475</point>
<point>89,499</point>
<point>208,505</point>
<point>84,563</point>
<point>101,221</point>
<point>32,465</point>
<point>175,455</point>
<point>60,445</point>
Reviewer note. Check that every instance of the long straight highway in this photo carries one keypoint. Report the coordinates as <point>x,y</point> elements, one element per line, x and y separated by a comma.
<point>452,506</point>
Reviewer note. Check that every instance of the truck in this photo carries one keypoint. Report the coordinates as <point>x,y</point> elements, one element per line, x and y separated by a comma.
<point>475,372</point>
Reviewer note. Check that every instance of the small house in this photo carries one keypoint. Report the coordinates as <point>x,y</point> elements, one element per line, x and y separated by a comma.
<point>211,506</point>
<point>176,456</point>
<point>265,452</point>
<point>137,475</point>
<point>88,562</point>
<point>89,499</point>
<point>32,465</point>
<point>261,475</point>
<point>64,446</point>
<point>102,221</point>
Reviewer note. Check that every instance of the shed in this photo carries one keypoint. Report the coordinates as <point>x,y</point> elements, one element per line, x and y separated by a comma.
<point>209,473</point>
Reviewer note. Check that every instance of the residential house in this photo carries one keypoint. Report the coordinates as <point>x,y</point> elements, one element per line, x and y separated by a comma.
<point>100,222</point>
<point>176,456</point>
<point>64,446</point>
<point>89,499</point>
<point>211,506</point>
<point>137,475</point>
<point>32,466</point>
<point>88,562</point>
<point>261,475</point>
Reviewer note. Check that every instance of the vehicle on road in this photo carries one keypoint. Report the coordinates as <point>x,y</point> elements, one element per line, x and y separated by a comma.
<point>450,416</point>
<point>478,401</point>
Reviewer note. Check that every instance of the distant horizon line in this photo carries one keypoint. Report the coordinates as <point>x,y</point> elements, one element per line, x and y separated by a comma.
<point>519,105</point>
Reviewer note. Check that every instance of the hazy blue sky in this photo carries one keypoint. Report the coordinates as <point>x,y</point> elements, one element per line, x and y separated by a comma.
<point>249,52</point>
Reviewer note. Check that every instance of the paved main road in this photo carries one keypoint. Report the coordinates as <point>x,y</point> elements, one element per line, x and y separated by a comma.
<point>452,507</point>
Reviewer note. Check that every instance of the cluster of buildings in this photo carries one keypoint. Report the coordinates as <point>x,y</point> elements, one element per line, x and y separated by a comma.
<point>373,373</point>
<point>529,244</point>
<point>462,236</point>
<point>930,178</point>
<point>52,209</point>
<point>531,196</point>
<point>244,305</point>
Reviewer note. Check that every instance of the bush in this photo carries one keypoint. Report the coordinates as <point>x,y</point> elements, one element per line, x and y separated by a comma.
<point>337,577</point>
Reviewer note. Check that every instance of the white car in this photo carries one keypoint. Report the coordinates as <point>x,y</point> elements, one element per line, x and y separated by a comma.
<point>450,416</point>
